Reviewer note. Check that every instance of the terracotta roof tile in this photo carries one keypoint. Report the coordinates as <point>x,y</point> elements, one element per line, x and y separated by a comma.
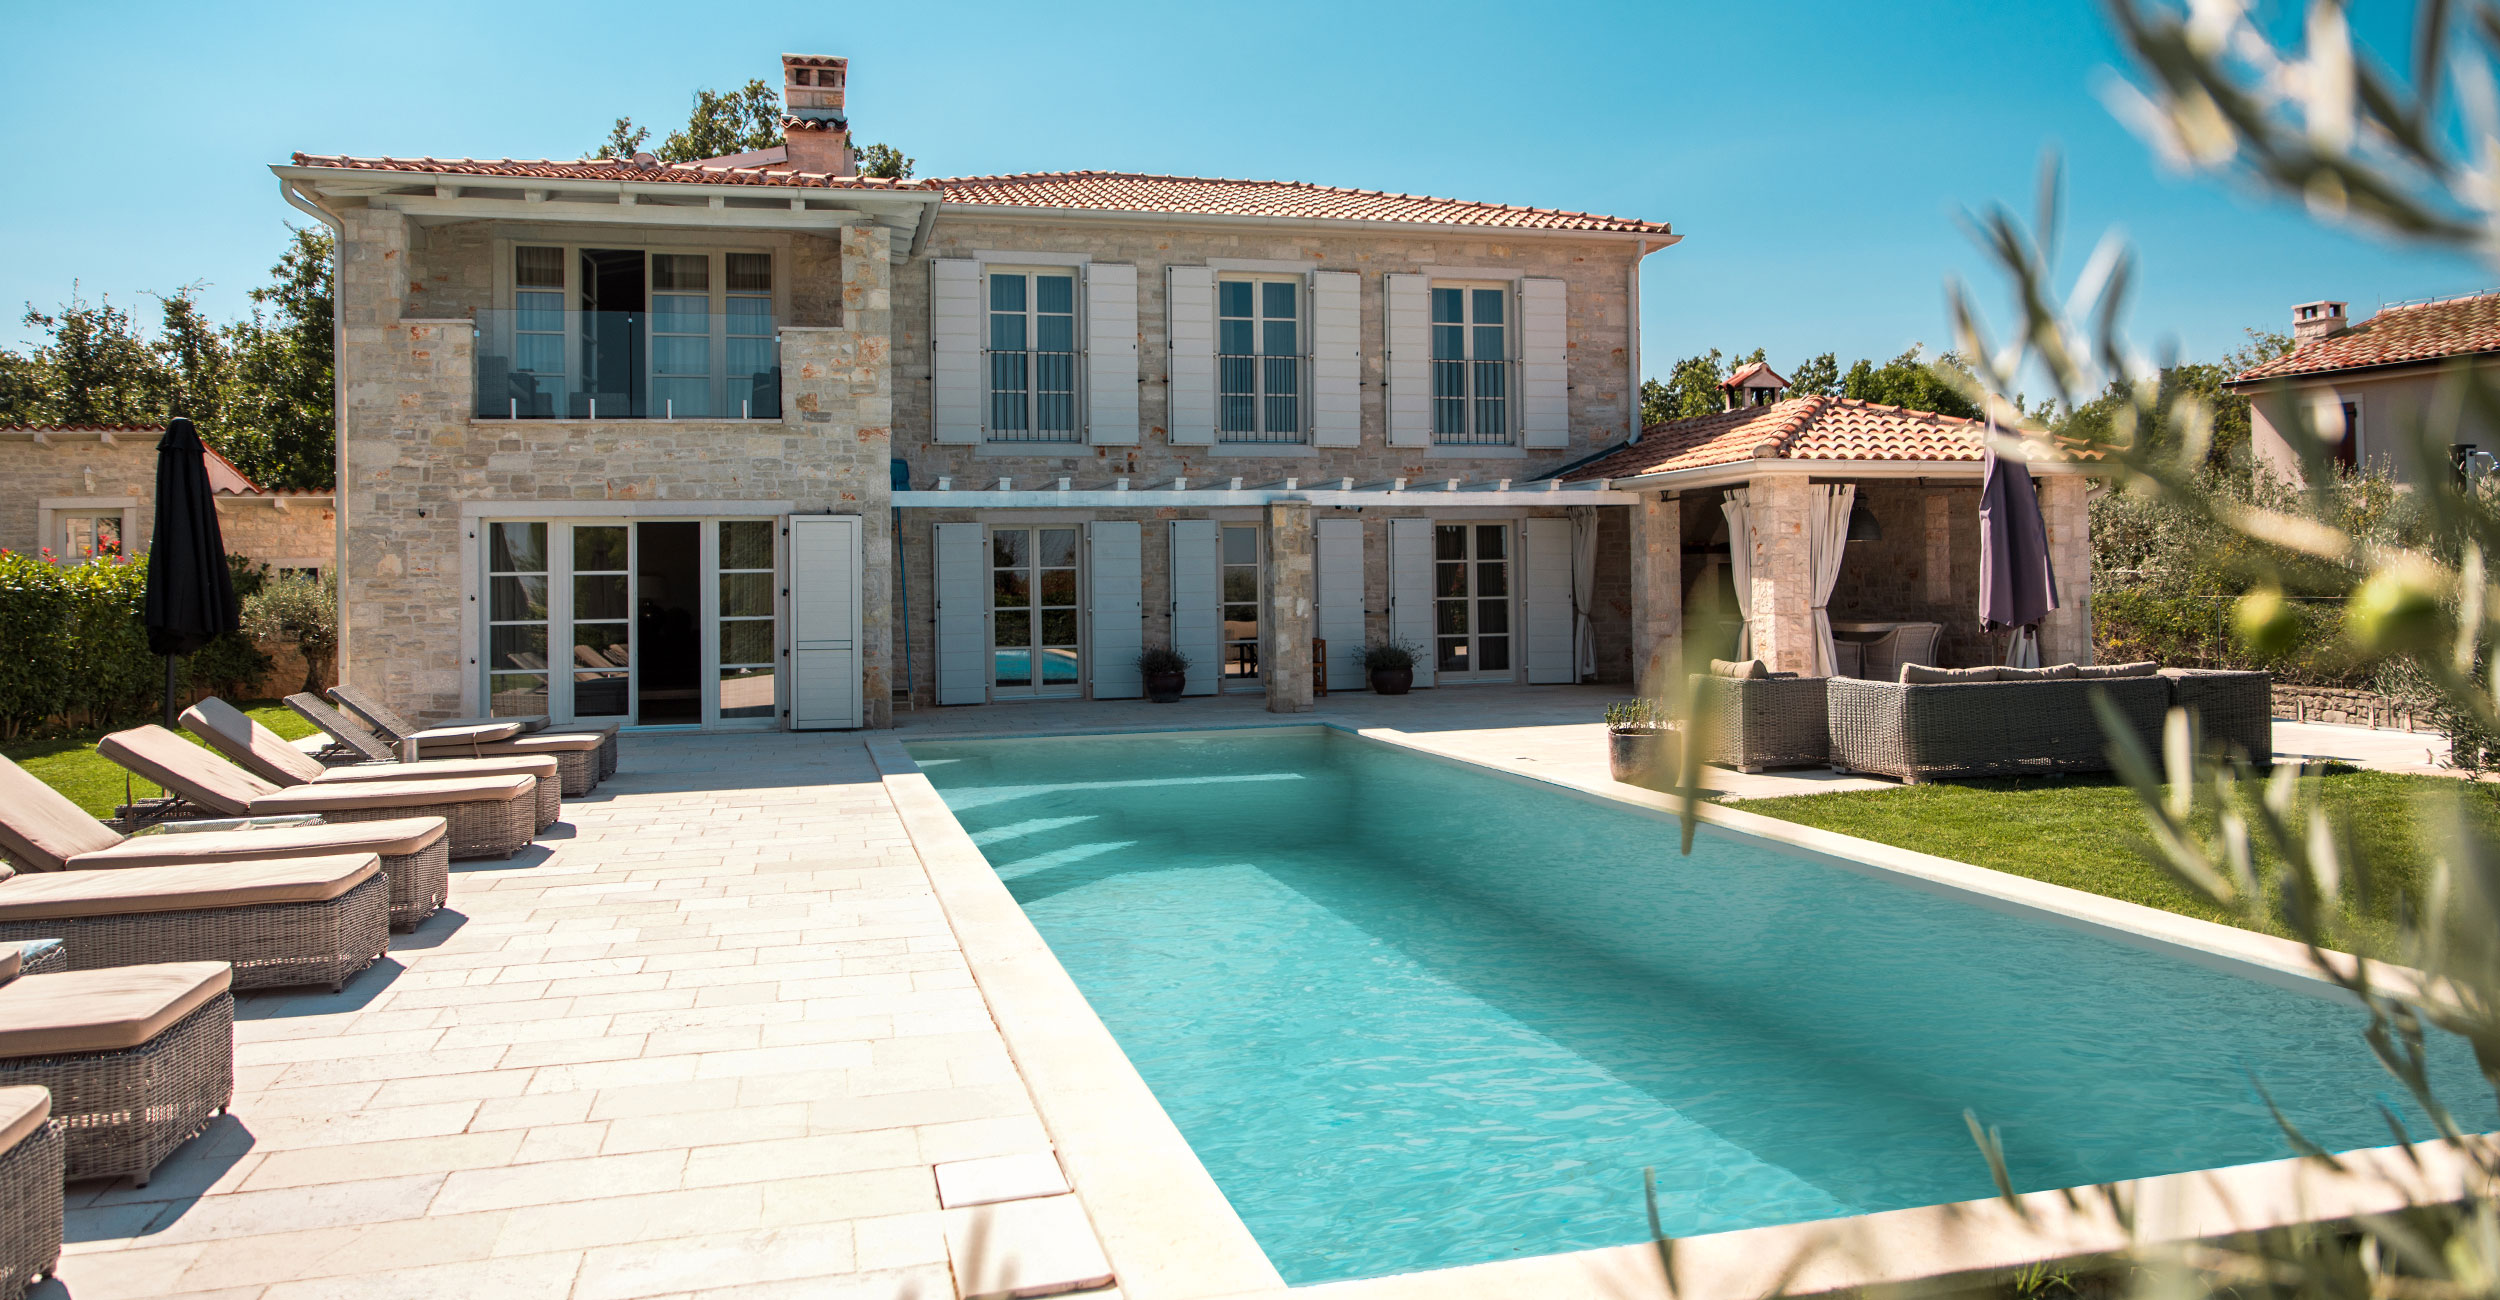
<point>2423,331</point>
<point>603,169</point>
<point>1801,428</point>
<point>1200,196</point>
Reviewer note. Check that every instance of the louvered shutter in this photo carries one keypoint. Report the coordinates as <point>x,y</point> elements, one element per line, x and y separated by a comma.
<point>1113,607</point>
<point>955,349</point>
<point>1544,365</point>
<point>1338,561</point>
<point>1545,594</point>
<point>1410,591</point>
<point>963,614</point>
<point>1111,354</point>
<point>1406,328</point>
<point>1195,629</point>
<point>1189,331</point>
<point>1336,359</point>
<point>825,581</point>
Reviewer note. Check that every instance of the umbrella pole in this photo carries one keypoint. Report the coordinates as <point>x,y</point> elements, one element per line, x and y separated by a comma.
<point>170,662</point>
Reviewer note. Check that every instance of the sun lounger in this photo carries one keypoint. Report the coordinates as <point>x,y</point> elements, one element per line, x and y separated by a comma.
<point>579,755</point>
<point>280,922</point>
<point>36,956</point>
<point>490,816</point>
<point>455,741</point>
<point>262,752</point>
<point>31,1198</point>
<point>138,1059</point>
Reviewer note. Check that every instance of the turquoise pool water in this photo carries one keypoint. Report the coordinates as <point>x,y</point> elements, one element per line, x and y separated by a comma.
<point>1413,1015</point>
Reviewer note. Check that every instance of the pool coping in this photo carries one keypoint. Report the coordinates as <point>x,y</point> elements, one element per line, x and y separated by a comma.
<point>1170,1232</point>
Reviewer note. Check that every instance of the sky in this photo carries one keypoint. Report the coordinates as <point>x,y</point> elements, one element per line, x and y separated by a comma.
<point>1815,155</point>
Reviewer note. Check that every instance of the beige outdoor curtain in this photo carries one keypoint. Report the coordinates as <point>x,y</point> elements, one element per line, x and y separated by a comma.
<point>1583,591</point>
<point>1827,540</point>
<point>1740,565</point>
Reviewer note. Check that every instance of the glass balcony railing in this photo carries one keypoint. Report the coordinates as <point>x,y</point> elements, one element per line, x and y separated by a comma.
<point>617,365</point>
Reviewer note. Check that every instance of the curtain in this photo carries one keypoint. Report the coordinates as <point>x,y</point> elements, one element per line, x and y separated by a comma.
<point>1740,564</point>
<point>1583,591</point>
<point>1827,541</point>
<point>2022,647</point>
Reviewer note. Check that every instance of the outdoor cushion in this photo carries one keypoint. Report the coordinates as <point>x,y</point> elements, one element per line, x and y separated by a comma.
<point>196,887</point>
<point>12,960</point>
<point>469,733</point>
<point>350,795</point>
<point>1921,674</point>
<point>2140,668</point>
<point>1748,669</point>
<point>441,769</point>
<point>109,1010</point>
<point>40,829</point>
<point>22,1111</point>
<point>395,838</point>
<point>525,746</point>
<point>2052,673</point>
<point>253,747</point>
<point>185,768</point>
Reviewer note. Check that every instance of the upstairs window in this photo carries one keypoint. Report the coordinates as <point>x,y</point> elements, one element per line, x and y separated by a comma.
<point>1259,360</point>
<point>1032,356</point>
<point>1471,365</point>
<point>623,333</point>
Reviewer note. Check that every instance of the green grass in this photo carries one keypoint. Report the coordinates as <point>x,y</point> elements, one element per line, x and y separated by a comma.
<point>2083,833</point>
<point>70,764</point>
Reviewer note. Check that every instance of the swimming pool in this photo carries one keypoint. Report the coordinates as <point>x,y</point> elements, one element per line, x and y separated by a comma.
<point>1411,1014</point>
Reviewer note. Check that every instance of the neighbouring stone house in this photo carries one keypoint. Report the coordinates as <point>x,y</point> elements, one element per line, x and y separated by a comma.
<point>756,441</point>
<point>2357,385</point>
<point>87,490</point>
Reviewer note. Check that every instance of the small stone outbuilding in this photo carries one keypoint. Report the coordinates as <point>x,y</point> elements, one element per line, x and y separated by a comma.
<point>84,490</point>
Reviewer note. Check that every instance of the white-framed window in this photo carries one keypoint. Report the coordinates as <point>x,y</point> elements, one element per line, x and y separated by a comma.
<point>747,622</point>
<point>1260,359</point>
<point>1471,600</point>
<point>516,619</point>
<point>1472,364</point>
<point>80,537</point>
<point>632,333</point>
<point>1032,358</point>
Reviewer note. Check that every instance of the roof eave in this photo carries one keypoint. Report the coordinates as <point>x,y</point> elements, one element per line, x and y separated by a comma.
<point>1661,238</point>
<point>1739,471</point>
<point>2237,386</point>
<point>352,181</point>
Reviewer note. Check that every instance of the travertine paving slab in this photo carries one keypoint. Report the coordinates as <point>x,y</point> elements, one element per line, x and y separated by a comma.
<point>1025,1248</point>
<point>1000,1178</point>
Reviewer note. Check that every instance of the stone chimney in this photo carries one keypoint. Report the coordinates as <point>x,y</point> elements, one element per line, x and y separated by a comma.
<point>814,128</point>
<point>2312,321</point>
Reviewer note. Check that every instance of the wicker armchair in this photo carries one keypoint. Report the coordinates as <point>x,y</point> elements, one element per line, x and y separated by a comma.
<point>1880,660</point>
<point>1919,732</point>
<point>1761,722</point>
<point>2236,709</point>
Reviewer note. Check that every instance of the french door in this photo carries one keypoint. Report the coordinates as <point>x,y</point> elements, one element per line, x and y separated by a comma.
<point>1034,649</point>
<point>1242,599</point>
<point>1471,596</point>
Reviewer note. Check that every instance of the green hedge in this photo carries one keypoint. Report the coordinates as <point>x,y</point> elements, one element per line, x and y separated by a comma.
<point>2195,632</point>
<point>74,652</point>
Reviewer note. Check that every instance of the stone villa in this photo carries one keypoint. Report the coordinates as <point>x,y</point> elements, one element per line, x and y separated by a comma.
<point>2358,383</point>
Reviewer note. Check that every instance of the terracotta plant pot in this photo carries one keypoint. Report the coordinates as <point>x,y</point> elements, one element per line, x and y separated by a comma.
<point>1393,681</point>
<point>1645,758</point>
<point>1164,688</point>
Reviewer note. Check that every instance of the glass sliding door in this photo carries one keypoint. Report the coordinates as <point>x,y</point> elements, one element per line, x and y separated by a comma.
<point>744,666</point>
<point>1471,601</point>
<point>603,631</point>
<point>1242,598</point>
<point>1033,611</point>
<point>516,620</point>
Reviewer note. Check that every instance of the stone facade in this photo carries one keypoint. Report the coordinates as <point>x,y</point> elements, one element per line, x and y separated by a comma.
<point>77,472</point>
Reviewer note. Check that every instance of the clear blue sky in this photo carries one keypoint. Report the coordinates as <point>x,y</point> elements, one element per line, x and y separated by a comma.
<point>1813,155</point>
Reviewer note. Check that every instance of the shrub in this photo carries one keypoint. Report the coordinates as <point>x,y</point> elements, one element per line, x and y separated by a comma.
<point>302,612</point>
<point>1156,660</point>
<point>74,647</point>
<point>1639,715</point>
<point>1389,657</point>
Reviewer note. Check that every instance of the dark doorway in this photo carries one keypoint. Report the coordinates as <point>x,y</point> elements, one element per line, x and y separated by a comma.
<point>613,315</point>
<point>668,608</point>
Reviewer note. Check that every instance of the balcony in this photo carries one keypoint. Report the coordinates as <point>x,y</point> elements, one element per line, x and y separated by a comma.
<point>605,365</point>
<point>1259,399</point>
<point>1472,402</point>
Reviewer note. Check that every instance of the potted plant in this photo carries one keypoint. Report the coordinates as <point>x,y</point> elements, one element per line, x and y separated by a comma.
<point>1643,745</point>
<point>1166,671</point>
<point>1391,666</point>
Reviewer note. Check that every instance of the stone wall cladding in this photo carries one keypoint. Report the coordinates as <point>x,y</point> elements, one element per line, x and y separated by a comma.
<point>296,536</point>
<point>73,468</point>
<point>414,456</point>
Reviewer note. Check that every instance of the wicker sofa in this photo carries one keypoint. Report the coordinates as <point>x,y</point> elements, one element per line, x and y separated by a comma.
<point>1917,732</point>
<point>2235,710</point>
<point>1758,722</point>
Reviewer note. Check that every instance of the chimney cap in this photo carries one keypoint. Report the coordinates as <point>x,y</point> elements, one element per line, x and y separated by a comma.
<point>2314,310</point>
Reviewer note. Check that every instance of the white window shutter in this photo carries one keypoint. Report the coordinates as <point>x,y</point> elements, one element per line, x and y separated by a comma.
<point>1410,591</point>
<point>1406,329</point>
<point>1114,607</point>
<point>963,614</point>
<point>1189,334</point>
<point>1195,629</point>
<point>1338,562</point>
<point>1110,354</point>
<point>955,349</point>
<point>825,582</point>
<point>1544,364</point>
<point>1336,359</point>
<point>1545,591</point>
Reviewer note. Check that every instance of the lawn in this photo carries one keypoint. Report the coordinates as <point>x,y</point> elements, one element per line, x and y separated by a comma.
<point>2081,832</point>
<point>70,764</point>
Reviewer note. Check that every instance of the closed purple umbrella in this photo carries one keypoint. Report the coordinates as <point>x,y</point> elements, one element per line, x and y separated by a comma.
<point>2017,588</point>
<point>190,600</point>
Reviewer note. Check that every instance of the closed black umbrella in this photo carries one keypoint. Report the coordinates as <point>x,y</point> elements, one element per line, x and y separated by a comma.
<point>2017,588</point>
<point>190,594</point>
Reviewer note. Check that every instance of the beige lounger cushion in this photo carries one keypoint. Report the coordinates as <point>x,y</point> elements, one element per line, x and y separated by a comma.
<point>469,733</point>
<point>193,887</point>
<point>527,746</point>
<point>438,769</point>
<point>12,960</point>
<point>395,838</point>
<point>185,768</point>
<point>332,796</point>
<point>109,1010</point>
<point>22,1111</point>
<point>40,829</point>
<point>253,747</point>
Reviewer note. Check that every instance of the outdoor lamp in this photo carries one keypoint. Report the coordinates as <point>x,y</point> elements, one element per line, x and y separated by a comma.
<point>1862,525</point>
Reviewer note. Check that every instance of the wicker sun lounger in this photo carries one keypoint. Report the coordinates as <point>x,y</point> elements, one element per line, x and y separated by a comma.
<point>31,1201</point>
<point>33,957</point>
<point>267,755</point>
<point>138,1059</point>
<point>490,816</point>
<point>471,739</point>
<point>578,756</point>
<point>282,922</point>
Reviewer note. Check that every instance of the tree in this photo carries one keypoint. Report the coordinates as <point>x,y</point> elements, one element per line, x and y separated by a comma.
<point>744,119</point>
<point>195,358</point>
<point>1819,376</point>
<point>624,141</point>
<point>1912,381</point>
<point>886,161</point>
<point>279,416</point>
<point>93,366</point>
